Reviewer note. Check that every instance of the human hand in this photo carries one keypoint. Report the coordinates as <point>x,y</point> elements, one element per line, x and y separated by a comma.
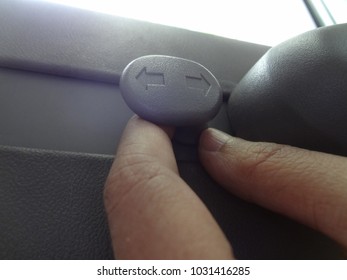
<point>153,214</point>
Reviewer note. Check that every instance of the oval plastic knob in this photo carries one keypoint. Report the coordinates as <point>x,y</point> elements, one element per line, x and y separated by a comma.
<point>170,90</point>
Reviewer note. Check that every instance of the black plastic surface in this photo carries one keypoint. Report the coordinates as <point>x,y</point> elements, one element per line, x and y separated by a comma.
<point>170,90</point>
<point>297,93</point>
<point>51,205</point>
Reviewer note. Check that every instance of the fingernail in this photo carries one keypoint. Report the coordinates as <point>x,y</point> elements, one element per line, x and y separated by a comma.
<point>212,140</point>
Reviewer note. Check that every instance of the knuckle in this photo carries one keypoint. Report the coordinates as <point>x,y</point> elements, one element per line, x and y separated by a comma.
<point>263,158</point>
<point>128,174</point>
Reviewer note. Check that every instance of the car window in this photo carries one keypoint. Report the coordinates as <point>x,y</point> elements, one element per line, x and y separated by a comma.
<point>266,22</point>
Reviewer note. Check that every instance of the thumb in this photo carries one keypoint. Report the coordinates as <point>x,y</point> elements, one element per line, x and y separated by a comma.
<point>152,212</point>
<point>308,186</point>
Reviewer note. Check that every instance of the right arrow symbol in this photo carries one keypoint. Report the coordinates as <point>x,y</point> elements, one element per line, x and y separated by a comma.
<point>199,83</point>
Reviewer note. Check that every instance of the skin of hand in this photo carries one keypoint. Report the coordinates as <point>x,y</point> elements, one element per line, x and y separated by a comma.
<point>153,213</point>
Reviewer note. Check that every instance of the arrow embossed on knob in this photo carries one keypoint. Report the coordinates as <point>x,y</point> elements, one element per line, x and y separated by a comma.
<point>199,83</point>
<point>170,90</point>
<point>149,79</point>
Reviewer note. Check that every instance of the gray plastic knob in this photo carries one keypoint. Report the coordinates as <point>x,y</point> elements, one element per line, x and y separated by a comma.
<point>170,90</point>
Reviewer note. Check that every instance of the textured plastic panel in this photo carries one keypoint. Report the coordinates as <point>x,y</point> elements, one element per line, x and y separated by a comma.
<point>66,41</point>
<point>51,205</point>
<point>56,113</point>
<point>54,210</point>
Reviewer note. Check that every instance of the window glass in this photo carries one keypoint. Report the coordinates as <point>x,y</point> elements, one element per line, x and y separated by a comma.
<point>266,22</point>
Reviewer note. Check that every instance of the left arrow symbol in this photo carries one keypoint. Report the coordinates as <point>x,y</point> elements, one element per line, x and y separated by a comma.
<point>150,79</point>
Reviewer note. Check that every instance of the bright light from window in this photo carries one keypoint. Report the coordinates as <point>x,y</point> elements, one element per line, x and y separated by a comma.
<point>337,9</point>
<point>266,22</point>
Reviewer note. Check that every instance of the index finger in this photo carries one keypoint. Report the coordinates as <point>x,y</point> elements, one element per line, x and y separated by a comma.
<point>308,186</point>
